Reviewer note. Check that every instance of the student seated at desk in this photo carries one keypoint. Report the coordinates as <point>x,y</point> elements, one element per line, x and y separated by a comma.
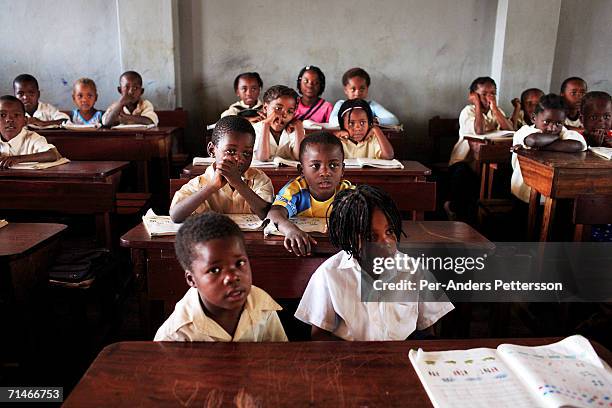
<point>19,144</point>
<point>131,108</point>
<point>359,135</point>
<point>572,92</point>
<point>547,133</point>
<point>311,194</point>
<point>38,113</point>
<point>524,107</point>
<point>356,83</point>
<point>480,116</point>
<point>85,95</point>
<point>221,304</point>
<point>247,87</point>
<point>279,134</point>
<point>229,185</point>
<point>596,115</point>
<point>311,85</point>
<point>364,223</point>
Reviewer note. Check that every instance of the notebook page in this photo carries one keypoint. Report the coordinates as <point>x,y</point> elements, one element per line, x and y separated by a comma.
<point>247,222</point>
<point>475,378</point>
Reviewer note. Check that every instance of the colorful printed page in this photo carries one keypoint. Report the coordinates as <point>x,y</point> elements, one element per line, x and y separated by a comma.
<point>567,373</point>
<point>469,378</point>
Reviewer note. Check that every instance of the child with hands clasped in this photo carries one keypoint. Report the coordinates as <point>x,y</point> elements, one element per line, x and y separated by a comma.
<point>364,224</point>
<point>221,304</point>
<point>524,107</point>
<point>359,135</point>
<point>131,108</point>
<point>279,134</point>
<point>311,194</point>
<point>546,133</point>
<point>18,144</point>
<point>38,113</point>
<point>85,95</point>
<point>229,185</point>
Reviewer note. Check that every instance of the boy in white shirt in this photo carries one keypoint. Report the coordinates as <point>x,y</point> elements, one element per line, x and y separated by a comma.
<point>25,88</point>
<point>18,144</point>
<point>131,108</point>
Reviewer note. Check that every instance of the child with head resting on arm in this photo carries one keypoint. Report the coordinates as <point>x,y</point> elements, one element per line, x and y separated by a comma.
<point>546,133</point>
<point>229,185</point>
<point>524,107</point>
<point>18,144</point>
<point>311,85</point>
<point>221,304</point>
<point>38,113</point>
<point>364,224</point>
<point>131,108</point>
<point>572,92</point>
<point>359,135</point>
<point>279,134</point>
<point>356,83</point>
<point>311,194</point>
<point>85,95</point>
<point>596,115</point>
<point>247,87</point>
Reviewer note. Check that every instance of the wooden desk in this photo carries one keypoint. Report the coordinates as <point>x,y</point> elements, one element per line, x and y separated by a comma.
<point>561,176</point>
<point>149,149</point>
<point>278,272</point>
<point>487,154</point>
<point>72,188</point>
<point>321,374</point>
<point>399,183</point>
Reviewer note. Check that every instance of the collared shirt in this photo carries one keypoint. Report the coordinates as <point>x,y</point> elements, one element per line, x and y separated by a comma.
<point>240,106</point>
<point>47,112</point>
<point>367,148</point>
<point>385,118</point>
<point>258,321</point>
<point>518,186</point>
<point>467,118</point>
<point>332,302</point>
<point>574,123</point>
<point>227,200</point>
<point>26,142</point>
<point>296,198</point>
<point>284,147</point>
<point>143,108</point>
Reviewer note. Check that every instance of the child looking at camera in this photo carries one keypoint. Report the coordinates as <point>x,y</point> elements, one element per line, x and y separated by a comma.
<point>85,95</point>
<point>131,108</point>
<point>247,87</point>
<point>572,92</point>
<point>25,88</point>
<point>229,185</point>
<point>364,223</point>
<point>311,85</point>
<point>221,304</point>
<point>524,107</point>
<point>596,115</point>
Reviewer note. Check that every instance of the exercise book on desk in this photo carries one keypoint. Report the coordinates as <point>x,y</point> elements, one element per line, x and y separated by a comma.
<point>276,162</point>
<point>162,225</point>
<point>603,152</point>
<point>39,165</point>
<point>495,135</point>
<point>378,163</point>
<point>564,374</point>
<point>74,126</point>
<point>134,126</point>
<point>306,224</point>
<point>42,127</point>
<point>3,223</point>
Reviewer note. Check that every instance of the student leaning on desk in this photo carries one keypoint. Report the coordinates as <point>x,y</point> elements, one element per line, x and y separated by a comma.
<point>19,144</point>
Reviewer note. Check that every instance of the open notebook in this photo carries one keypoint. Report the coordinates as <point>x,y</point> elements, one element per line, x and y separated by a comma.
<point>162,225</point>
<point>306,224</point>
<point>378,163</point>
<point>134,126</point>
<point>495,135</point>
<point>39,165</point>
<point>74,126</point>
<point>276,162</point>
<point>604,152</point>
<point>564,374</point>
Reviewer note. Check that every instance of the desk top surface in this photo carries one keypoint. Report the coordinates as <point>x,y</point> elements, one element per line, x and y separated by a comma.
<point>273,374</point>
<point>427,232</point>
<point>156,131</point>
<point>73,169</point>
<point>580,160</point>
<point>411,168</point>
<point>18,238</point>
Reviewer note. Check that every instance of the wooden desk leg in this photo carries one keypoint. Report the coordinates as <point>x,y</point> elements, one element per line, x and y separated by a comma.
<point>491,175</point>
<point>143,176</point>
<point>484,174</point>
<point>532,219</point>
<point>549,214</point>
<point>104,230</point>
<point>139,265</point>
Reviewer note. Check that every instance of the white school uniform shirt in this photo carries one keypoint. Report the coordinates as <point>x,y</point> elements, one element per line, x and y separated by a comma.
<point>467,117</point>
<point>332,302</point>
<point>517,185</point>
<point>283,148</point>
<point>143,108</point>
<point>575,123</point>
<point>237,107</point>
<point>258,321</point>
<point>47,112</point>
<point>26,142</point>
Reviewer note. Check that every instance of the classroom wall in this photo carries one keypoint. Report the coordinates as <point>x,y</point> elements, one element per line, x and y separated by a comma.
<point>583,44</point>
<point>419,53</point>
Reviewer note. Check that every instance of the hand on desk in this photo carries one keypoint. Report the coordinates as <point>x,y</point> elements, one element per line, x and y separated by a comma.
<point>7,161</point>
<point>298,241</point>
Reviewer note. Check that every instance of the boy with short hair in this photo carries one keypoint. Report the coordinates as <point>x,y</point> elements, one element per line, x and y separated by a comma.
<point>221,304</point>
<point>131,108</point>
<point>18,144</point>
<point>247,87</point>
<point>572,92</point>
<point>25,88</point>
<point>312,193</point>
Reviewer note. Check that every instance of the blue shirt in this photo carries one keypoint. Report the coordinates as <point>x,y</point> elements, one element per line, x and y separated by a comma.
<point>77,119</point>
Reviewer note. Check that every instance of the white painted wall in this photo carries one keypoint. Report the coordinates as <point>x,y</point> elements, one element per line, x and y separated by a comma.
<point>584,44</point>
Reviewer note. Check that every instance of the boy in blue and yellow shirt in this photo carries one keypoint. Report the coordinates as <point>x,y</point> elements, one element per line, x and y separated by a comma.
<point>312,193</point>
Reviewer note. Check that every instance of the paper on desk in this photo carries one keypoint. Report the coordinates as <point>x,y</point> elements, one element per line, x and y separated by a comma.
<point>159,225</point>
<point>603,152</point>
<point>39,165</point>
<point>377,163</point>
<point>495,135</point>
<point>74,126</point>
<point>306,224</point>
<point>247,222</point>
<point>39,127</point>
<point>134,126</point>
<point>3,223</point>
